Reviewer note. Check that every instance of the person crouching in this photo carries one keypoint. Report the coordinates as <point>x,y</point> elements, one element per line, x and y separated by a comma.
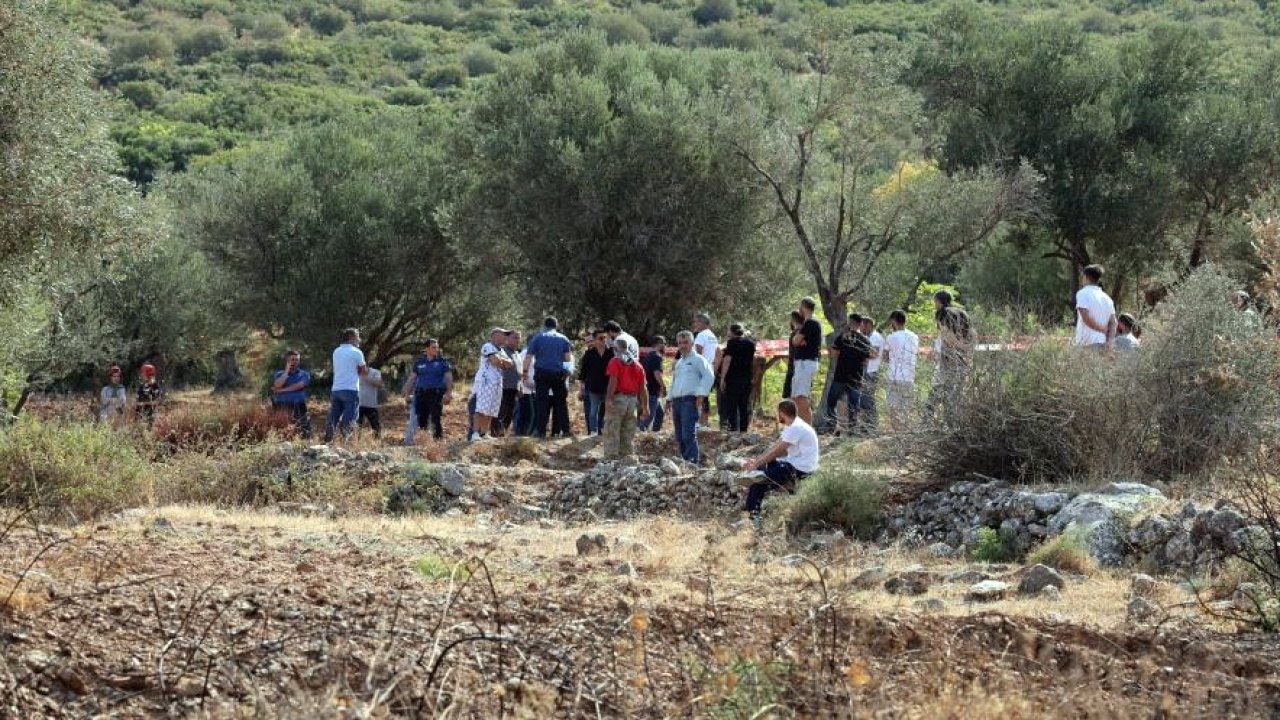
<point>792,458</point>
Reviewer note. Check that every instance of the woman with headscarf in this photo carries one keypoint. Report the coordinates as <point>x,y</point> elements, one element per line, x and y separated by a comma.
<point>114,398</point>
<point>625,400</point>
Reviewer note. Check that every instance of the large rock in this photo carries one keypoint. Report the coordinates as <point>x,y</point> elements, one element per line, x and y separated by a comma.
<point>987,591</point>
<point>1102,517</point>
<point>592,544</point>
<point>1039,577</point>
<point>909,583</point>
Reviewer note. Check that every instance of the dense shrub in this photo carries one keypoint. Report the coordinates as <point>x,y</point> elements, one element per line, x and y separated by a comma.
<point>408,96</point>
<point>136,47</point>
<point>144,94</point>
<point>444,76</point>
<point>231,425</point>
<point>620,29</point>
<point>270,26</point>
<point>1202,389</point>
<point>201,43</point>
<point>713,11</point>
<point>838,497</point>
<point>1068,551</point>
<point>481,60</point>
<point>328,21</point>
<point>75,470</point>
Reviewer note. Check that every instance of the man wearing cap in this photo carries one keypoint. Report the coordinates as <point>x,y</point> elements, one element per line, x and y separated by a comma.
<point>289,392</point>
<point>487,387</point>
<point>550,355</point>
<point>149,395</point>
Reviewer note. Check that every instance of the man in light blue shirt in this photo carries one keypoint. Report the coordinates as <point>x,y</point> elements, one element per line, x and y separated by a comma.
<point>344,404</point>
<point>691,381</point>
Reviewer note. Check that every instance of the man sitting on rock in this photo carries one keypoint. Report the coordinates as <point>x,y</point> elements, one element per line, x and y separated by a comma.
<point>792,458</point>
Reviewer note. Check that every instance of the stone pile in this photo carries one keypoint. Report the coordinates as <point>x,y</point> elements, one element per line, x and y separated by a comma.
<point>336,458</point>
<point>621,491</point>
<point>1116,523</point>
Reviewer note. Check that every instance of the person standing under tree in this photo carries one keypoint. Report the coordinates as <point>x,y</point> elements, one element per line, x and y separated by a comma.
<point>487,387</point>
<point>344,403</point>
<point>953,349</point>
<point>849,353</point>
<point>735,379</point>
<point>691,381</point>
<point>113,398</point>
<point>550,354</point>
<point>289,392</point>
<point>901,349</point>
<point>705,344</point>
<point>867,415</point>
<point>1095,312</point>
<point>592,371</point>
<point>626,402</point>
<point>150,393</point>
<point>655,383</point>
<point>371,389</point>
<point>431,382</point>
<point>807,345</point>
<point>510,387</point>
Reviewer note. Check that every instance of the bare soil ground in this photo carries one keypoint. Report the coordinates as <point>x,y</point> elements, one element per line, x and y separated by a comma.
<point>209,613</point>
<point>196,611</point>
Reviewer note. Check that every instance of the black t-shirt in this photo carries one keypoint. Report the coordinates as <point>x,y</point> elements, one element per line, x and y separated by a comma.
<point>812,348</point>
<point>854,349</point>
<point>592,372</point>
<point>652,363</point>
<point>741,353</point>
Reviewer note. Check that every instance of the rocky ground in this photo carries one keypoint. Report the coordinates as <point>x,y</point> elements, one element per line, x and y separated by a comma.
<point>539,582</point>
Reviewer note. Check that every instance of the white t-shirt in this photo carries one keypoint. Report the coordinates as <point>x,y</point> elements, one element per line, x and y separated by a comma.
<point>368,390</point>
<point>877,345</point>
<point>903,346</point>
<point>1100,307</point>
<point>707,340</point>
<point>347,360</point>
<point>802,442</point>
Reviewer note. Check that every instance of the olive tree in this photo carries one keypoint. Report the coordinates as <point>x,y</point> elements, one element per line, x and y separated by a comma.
<point>340,226</point>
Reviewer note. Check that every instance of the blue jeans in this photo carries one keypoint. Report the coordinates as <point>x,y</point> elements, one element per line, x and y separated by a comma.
<point>595,412</point>
<point>344,408</point>
<point>656,413</point>
<point>852,398</point>
<point>684,416</point>
<point>867,415</point>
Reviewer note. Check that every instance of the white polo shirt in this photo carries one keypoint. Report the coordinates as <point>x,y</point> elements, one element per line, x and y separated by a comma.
<point>709,343</point>
<point>347,360</point>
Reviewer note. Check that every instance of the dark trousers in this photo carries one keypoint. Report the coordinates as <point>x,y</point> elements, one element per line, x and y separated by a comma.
<point>684,419</point>
<point>298,414</point>
<point>778,475</point>
<point>852,398</point>
<point>506,412</point>
<point>737,406</point>
<point>428,405</point>
<point>525,414</point>
<point>551,400</point>
<point>371,416</point>
<point>867,416</point>
<point>656,413</point>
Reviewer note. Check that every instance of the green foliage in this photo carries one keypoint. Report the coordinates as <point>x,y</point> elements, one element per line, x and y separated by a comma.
<point>757,685</point>
<point>994,546</point>
<point>841,497</point>
<point>144,94</point>
<point>614,200</point>
<point>340,227</point>
<point>202,42</point>
<point>73,471</point>
<point>1068,552</point>
<point>135,47</point>
<point>713,11</point>
<point>1057,413</point>
<point>328,21</point>
<point>270,26</point>
<point>434,567</point>
<point>418,493</point>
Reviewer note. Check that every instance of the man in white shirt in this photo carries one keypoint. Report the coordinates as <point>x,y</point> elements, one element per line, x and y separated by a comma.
<point>344,403</point>
<point>867,416</point>
<point>901,349</point>
<point>705,344</point>
<point>792,458</point>
<point>1095,312</point>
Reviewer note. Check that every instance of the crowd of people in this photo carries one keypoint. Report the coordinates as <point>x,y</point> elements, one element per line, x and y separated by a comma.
<point>524,389</point>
